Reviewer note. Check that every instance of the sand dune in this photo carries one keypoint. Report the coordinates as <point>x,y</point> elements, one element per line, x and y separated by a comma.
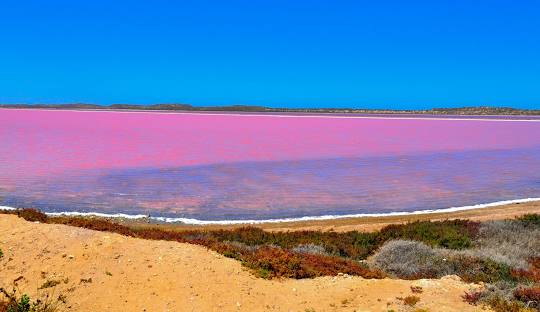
<point>130,274</point>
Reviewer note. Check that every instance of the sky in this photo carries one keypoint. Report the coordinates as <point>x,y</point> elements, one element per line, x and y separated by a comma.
<point>363,54</point>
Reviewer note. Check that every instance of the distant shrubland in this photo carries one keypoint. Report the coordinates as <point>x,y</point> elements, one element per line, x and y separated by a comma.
<point>472,110</point>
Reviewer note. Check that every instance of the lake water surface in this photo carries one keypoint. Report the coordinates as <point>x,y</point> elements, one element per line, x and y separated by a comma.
<point>249,166</point>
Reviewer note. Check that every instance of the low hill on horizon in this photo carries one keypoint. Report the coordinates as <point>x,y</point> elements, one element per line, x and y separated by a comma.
<point>469,110</point>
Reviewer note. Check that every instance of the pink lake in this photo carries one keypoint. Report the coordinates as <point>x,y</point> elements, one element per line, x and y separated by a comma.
<point>234,166</point>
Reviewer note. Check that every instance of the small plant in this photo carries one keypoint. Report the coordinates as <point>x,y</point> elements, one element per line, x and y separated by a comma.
<point>49,284</point>
<point>108,273</point>
<point>13,303</point>
<point>1,254</point>
<point>472,297</point>
<point>417,289</point>
<point>411,300</point>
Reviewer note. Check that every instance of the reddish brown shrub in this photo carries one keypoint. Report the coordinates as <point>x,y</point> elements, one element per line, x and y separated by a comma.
<point>95,224</point>
<point>531,294</point>
<point>531,274</point>
<point>32,215</point>
<point>270,262</point>
<point>472,297</point>
<point>417,289</point>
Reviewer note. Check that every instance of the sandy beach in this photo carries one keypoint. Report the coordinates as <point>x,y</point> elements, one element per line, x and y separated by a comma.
<point>367,224</point>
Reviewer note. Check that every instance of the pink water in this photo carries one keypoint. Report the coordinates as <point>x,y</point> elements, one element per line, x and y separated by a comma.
<point>64,147</point>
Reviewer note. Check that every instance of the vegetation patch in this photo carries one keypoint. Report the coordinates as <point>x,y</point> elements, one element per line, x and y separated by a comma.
<point>411,300</point>
<point>530,219</point>
<point>12,302</point>
<point>530,295</point>
<point>414,260</point>
<point>49,284</point>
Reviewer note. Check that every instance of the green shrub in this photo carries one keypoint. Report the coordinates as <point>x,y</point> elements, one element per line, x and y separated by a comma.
<point>530,219</point>
<point>32,215</point>
<point>499,304</point>
<point>474,269</point>
<point>13,303</point>
<point>452,234</point>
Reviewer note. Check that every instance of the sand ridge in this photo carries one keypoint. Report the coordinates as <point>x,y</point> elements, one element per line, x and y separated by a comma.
<point>129,274</point>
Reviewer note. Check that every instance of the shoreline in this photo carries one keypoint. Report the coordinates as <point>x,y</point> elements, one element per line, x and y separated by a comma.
<point>293,114</point>
<point>364,221</point>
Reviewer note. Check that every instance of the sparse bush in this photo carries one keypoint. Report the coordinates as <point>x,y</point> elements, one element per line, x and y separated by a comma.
<point>528,295</point>
<point>505,296</point>
<point>532,274</point>
<point>1,254</point>
<point>417,289</point>
<point>49,284</point>
<point>32,215</point>
<point>530,219</point>
<point>510,242</point>
<point>499,304</point>
<point>410,260</point>
<point>475,269</point>
<point>310,249</point>
<point>413,260</point>
<point>411,300</point>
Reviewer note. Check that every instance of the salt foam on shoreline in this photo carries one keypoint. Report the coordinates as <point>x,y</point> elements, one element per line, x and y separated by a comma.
<point>306,218</point>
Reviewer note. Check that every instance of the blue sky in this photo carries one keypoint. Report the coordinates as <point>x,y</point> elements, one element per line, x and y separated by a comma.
<point>391,54</point>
